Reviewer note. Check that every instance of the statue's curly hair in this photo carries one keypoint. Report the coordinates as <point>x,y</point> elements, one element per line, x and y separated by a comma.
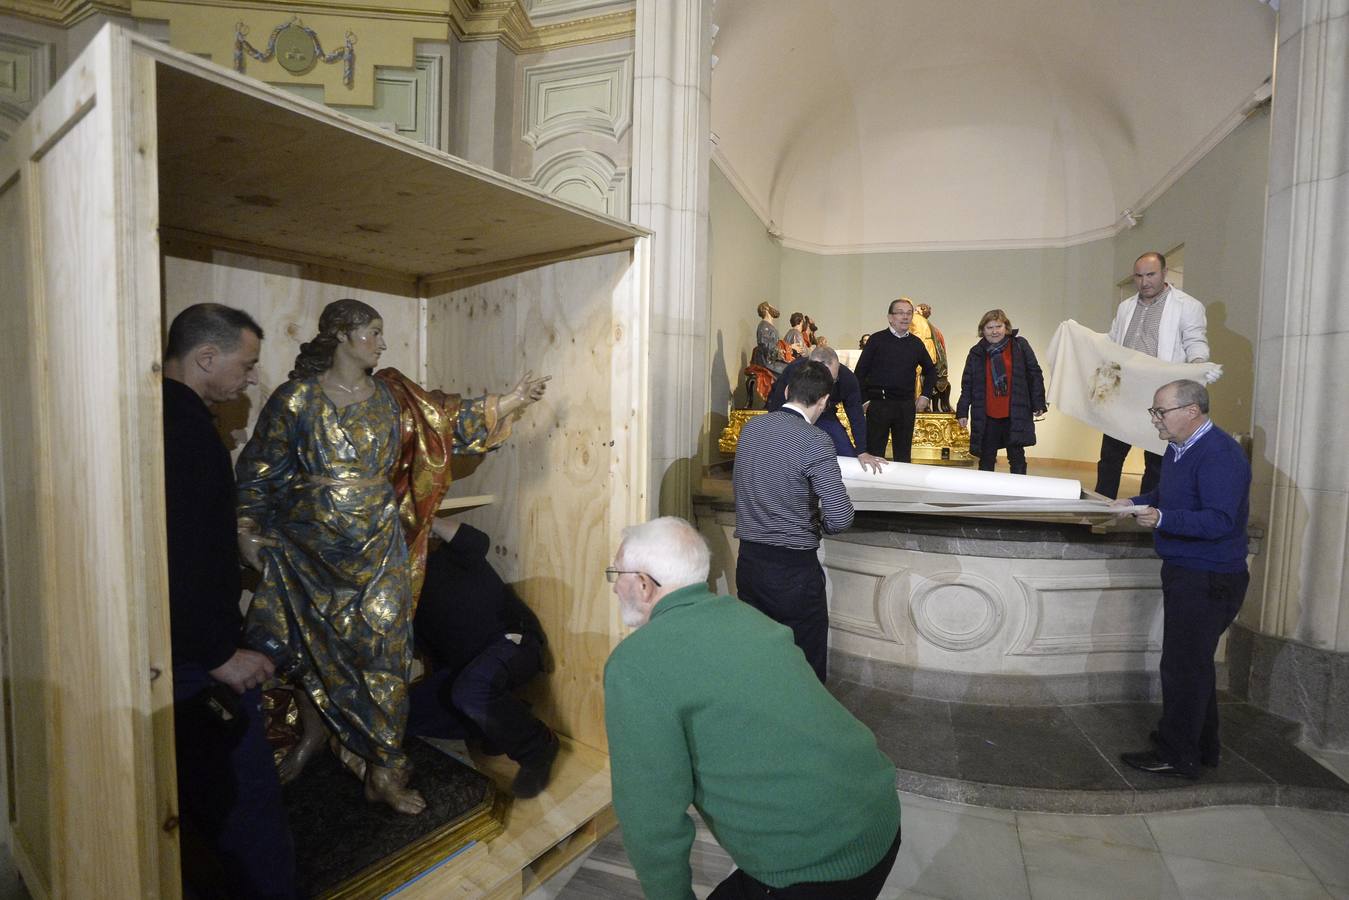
<point>339,317</point>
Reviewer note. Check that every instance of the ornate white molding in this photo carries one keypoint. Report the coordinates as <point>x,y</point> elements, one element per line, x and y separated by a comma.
<point>887,581</point>
<point>25,75</point>
<point>1090,614</point>
<point>584,96</point>
<point>508,21</point>
<point>555,10</point>
<point>957,610</point>
<point>587,178</point>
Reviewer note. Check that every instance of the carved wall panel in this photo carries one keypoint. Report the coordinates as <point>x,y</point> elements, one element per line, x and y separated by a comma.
<point>956,610</point>
<point>1090,613</point>
<point>587,178</point>
<point>586,96</point>
<point>25,75</point>
<point>861,589</point>
<point>407,101</point>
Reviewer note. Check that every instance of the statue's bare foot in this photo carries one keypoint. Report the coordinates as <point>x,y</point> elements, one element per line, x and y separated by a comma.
<point>312,733</point>
<point>385,785</point>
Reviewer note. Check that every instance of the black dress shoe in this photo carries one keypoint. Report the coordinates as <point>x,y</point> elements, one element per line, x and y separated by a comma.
<point>1149,761</point>
<point>1208,762</point>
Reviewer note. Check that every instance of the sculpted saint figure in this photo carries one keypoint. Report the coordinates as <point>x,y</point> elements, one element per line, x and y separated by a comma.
<point>336,490</point>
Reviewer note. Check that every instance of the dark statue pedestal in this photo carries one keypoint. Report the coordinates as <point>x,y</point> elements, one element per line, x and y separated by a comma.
<point>346,846</point>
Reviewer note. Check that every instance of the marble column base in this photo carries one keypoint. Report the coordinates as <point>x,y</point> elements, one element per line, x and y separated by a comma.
<point>1306,684</point>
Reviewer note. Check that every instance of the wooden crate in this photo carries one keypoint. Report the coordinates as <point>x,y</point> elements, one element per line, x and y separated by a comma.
<point>147,180</point>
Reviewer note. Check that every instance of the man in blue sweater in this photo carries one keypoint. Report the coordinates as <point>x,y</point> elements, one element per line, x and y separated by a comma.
<point>1198,514</point>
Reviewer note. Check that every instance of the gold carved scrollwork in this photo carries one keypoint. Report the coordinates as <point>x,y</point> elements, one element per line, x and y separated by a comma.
<point>938,438</point>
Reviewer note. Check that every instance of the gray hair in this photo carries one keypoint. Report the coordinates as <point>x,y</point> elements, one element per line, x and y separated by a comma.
<point>826,355</point>
<point>668,549</point>
<point>1189,393</point>
<point>208,323</point>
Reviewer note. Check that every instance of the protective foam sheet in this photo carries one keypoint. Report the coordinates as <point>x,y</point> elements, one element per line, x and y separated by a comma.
<point>906,477</point>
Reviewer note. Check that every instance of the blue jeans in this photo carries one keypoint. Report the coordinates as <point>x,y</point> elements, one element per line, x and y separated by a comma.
<point>788,586</point>
<point>229,798</point>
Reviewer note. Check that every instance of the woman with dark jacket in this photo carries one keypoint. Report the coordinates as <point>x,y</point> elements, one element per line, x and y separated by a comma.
<point>1001,393</point>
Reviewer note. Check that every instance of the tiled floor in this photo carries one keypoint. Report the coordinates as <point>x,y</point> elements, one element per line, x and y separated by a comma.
<point>996,756</point>
<point>961,852</point>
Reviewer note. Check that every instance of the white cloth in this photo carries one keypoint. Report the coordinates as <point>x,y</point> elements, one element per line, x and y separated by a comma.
<point>1182,335</point>
<point>1109,387</point>
<point>905,477</point>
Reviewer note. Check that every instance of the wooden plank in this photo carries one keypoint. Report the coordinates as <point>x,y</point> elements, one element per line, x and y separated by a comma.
<point>28,694</point>
<point>577,795</point>
<point>81,820</point>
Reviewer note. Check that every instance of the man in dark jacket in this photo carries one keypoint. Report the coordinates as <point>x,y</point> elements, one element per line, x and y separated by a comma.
<point>1001,392</point>
<point>235,839</point>
<point>887,369</point>
<point>485,642</point>
<point>848,391</point>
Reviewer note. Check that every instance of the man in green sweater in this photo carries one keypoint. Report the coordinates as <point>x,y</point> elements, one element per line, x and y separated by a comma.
<point>711,704</point>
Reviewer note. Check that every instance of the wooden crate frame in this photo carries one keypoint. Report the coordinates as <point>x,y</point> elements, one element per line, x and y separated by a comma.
<point>147,179</point>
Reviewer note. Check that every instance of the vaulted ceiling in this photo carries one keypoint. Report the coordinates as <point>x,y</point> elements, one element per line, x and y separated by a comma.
<point>897,124</point>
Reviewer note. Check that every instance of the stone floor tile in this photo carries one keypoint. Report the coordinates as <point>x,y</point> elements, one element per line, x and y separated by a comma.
<point>1115,728</point>
<point>1242,836</point>
<point>1320,838</point>
<point>1064,867</point>
<point>914,732</point>
<point>958,856</point>
<point>1127,831</point>
<point>1201,879</point>
<point>912,804</point>
<point>1010,746</point>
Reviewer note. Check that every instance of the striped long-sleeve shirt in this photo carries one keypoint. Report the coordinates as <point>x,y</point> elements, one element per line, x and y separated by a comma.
<point>788,487</point>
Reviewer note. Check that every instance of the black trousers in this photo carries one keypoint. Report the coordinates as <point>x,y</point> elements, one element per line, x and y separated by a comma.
<point>1112,464</point>
<point>867,886</point>
<point>891,420</point>
<point>993,438</point>
<point>236,840</point>
<point>1197,607</point>
<point>478,701</point>
<point>788,586</point>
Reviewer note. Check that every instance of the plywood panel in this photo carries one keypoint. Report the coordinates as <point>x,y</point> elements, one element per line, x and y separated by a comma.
<point>285,299</point>
<point>553,526</point>
<point>245,162</point>
<point>27,696</point>
<point>83,528</point>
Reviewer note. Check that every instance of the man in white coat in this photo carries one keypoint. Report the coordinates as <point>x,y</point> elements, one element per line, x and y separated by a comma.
<point>1161,321</point>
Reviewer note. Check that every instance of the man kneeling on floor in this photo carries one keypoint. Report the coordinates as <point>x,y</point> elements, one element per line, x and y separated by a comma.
<point>484,643</point>
<point>711,704</point>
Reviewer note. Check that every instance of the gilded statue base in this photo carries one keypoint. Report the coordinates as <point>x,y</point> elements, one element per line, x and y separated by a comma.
<point>938,439</point>
<point>348,847</point>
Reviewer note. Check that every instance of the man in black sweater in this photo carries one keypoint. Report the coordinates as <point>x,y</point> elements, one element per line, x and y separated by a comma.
<point>235,839</point>
<point>886,370</point>
<point>484,643</point>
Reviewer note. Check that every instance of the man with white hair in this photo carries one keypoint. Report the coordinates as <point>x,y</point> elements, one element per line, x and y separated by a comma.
<point>710,704</point>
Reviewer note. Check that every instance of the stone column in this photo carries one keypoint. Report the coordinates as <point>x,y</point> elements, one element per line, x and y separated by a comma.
<point>670,155</point>
<point>1297,612</point>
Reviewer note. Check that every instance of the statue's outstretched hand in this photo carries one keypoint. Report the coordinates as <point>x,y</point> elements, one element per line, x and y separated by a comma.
<point>526,391</point>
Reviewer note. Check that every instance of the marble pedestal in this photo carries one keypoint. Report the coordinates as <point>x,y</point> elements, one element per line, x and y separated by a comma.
<point>983,611</point>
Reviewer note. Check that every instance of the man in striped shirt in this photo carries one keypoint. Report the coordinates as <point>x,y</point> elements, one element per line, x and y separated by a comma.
<point>789,490</point>
<point>1161,321</point>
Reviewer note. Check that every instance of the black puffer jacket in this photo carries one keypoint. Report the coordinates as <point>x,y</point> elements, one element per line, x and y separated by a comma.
<point>1028,393</point>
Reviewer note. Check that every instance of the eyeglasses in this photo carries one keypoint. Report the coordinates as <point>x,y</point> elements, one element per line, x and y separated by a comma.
<point>611,575</point>
<point>1157,412</point>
